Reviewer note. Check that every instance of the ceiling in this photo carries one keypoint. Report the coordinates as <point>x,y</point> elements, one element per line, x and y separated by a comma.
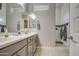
<point>33,6</point>
<point>15,7</point>
<point>28,7</point>
<point>40,6</point>
<point>59,4</point>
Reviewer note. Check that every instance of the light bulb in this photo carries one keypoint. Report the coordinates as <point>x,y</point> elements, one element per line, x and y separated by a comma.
<point>0,19</point>
<point>33,16</point>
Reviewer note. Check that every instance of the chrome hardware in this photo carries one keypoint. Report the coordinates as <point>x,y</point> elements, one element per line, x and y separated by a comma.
<point>71,38</point>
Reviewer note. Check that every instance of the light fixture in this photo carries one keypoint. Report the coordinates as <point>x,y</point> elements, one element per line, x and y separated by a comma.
<point>32,16</point>
<point>0,19</point>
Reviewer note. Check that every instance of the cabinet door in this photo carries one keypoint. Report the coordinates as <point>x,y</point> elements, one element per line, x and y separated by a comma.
<point>34,45</point>
<point>31,45</point>
<point>22,52</point>
<point>30,53</point>
<point>10,50</point>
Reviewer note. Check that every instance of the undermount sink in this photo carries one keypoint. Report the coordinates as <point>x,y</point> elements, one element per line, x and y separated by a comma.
<point>4,39</point>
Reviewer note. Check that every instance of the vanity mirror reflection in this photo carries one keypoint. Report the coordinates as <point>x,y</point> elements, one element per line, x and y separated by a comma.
<point>16,18</point>
<point>16,13</point>
<point>2,17</point>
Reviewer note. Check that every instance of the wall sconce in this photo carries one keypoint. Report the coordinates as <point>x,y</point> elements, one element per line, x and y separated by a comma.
<point>38,25</point>
<point>32,16</point>
<point>1,19</point>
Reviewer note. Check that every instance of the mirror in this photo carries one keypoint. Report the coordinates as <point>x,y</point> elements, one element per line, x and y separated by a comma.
<point>32,20</point>
<point>16,13</point>
<point>15,16</point>
<point>2,15</point>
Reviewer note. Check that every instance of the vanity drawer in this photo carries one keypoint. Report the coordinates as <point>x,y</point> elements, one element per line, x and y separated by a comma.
<point>30,39</point>
<point>31,45</point>
<point>12,49</point>
<point>22,52</point>
<point>30,52</point>
<point>34,46</point>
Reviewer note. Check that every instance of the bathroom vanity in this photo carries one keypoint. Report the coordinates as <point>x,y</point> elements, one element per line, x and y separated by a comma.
<point>20,45</point>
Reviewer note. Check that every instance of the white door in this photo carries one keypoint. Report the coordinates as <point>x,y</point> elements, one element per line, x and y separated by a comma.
<point>74,29</point>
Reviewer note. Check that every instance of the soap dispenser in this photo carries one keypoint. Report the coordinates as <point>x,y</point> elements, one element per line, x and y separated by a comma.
<point>6,32</point>
<point>2,29</point>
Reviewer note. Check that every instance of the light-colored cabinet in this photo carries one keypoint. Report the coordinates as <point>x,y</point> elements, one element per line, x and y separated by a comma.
<point>22,52</point>
<point>25,47</point>
<point>12,49</point>
<point>30,53</point>
<point>32,45</point>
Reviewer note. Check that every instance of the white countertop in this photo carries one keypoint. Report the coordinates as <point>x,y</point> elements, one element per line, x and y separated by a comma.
<point>5,41</point>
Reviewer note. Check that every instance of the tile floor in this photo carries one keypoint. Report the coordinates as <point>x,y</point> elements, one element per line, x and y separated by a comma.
<point>52,51</point>
<point>58,50</point>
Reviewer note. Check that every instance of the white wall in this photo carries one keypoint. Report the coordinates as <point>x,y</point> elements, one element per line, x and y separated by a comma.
<point>52,23</point>
<point>62,14</point>
<point>47,23</point>
<point>65,13</point>
<point>3,14</point>
<point>12,19</point>
<point>58,21</point>
<point>58,15</point>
